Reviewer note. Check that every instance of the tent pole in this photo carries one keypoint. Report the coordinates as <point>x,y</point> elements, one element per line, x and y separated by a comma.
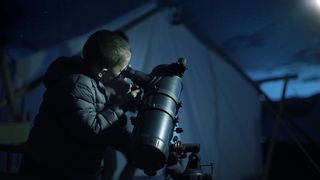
<point>277,78</point>
<point>275,131</point>
<point>23,91</point>
<point>8,85</point>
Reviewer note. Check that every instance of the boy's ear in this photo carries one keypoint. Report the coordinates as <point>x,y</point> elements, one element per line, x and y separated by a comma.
<point>102,72</point>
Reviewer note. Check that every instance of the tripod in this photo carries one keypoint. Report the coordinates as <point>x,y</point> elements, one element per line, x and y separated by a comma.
<point>192,171</point>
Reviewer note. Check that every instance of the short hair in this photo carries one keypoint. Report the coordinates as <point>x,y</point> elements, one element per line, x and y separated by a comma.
<point>105,47</point>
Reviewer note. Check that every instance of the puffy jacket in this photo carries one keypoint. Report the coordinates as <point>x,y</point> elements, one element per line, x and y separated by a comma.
<point>74,123</point>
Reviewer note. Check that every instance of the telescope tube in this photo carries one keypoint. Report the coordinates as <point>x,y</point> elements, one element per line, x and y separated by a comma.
<point>155,123</point>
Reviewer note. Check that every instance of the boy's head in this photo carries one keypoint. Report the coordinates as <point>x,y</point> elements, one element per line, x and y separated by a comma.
<point>107,54</point>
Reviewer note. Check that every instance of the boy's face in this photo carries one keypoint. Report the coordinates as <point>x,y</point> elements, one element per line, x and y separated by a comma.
<point>114,72</point>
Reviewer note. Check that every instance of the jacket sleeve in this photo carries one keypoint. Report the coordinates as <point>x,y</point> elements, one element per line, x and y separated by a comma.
<point>79,115</point>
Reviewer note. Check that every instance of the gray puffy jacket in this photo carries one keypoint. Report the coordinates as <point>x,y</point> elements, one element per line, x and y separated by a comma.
<point>75,122</point>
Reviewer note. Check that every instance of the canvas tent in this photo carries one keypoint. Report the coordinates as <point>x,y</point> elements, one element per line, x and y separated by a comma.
<point>221,108</point>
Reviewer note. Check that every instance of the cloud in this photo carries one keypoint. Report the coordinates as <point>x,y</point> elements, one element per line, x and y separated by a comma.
<point>308,56</point>
<point>256,39</point>
<point>311,78</point>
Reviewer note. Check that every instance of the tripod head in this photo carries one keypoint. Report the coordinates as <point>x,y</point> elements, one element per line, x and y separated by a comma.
<point>193,169</point>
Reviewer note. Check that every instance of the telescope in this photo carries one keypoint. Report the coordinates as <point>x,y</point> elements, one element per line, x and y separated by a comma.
<point>157,114</point>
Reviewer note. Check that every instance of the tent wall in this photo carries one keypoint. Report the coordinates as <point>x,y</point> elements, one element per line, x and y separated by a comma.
<point>221,109</point>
